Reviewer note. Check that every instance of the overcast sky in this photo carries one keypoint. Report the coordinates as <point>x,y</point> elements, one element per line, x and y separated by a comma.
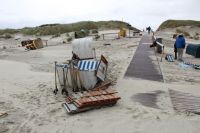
<point>139,13</point>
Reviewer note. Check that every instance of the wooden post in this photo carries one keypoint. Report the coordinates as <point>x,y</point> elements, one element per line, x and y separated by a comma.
<point>46,43</point>
<point>103,36</point>
<point>64,79</point>
<point>56,88</point>
<point>162,54</point>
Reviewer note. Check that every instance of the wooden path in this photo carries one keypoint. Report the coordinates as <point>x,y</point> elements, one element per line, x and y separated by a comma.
<point>144,64</point>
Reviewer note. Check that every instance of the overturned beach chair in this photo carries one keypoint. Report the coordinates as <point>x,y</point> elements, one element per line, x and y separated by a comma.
<point>32,44</point>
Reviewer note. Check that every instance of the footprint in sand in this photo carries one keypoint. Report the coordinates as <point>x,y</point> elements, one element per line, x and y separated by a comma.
<point>3,129</point>
<point>41,85</point>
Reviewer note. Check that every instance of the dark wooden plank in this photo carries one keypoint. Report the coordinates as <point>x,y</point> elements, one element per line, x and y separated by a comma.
<point>185,102</point>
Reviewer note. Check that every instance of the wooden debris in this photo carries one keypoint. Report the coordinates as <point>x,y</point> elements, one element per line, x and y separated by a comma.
<point>106,44</point>
<point>132,46</point>
<point>185,102</point>
<point>3,114</point>
<point>90,100</point>
<point>103,85</point>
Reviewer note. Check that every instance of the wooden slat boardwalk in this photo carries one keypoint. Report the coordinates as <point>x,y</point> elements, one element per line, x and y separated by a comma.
<point>144,64</point>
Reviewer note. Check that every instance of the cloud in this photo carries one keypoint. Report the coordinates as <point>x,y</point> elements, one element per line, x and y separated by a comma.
<point>140,13</point>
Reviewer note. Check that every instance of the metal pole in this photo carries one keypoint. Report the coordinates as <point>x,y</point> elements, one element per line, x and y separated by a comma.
<point>64,79</point>
<point>56,88</point>
<point>94,53</point>
<point>162,54</point>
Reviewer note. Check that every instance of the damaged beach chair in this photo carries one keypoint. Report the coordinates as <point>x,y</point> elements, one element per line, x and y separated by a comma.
<point>84,71</point>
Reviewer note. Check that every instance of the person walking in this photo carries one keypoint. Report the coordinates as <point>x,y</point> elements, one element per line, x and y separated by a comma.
<point>175,49</point>
<point>148,29</point>
<point>180,45</point>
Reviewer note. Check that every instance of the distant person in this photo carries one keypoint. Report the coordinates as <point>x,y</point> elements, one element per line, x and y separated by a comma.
<point>148,29</point>
<point>75,35</point>
<point>175,49</point>
<point>75,56</point>
<point>174,36</point>
<point>180,45</point>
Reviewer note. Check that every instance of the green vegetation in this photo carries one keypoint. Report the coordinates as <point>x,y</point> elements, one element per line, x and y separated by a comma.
<point>179,31</point>
<point>6,36</point>
<point>56,35</point>
<point>185,33</point>
<point>67,35</point>
<point>82,33</point>
<point>53,29</point>
<point>96,37</point>
<point>69,39</point>
<point>9,31</point>
<point>95,31</point>
<point>178,23</point>
<point>196,36</point>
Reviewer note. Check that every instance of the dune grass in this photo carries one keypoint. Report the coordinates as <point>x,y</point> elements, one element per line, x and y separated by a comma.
<point>178,23</point>
<point>185,33</point>
<point>6,36</point>
<point>56,29</point>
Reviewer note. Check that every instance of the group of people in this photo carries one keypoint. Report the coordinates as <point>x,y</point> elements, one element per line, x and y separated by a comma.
<point>179,47</point>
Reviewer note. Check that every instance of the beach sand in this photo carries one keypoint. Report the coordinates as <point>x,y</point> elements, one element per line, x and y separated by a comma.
<point>27,84</point>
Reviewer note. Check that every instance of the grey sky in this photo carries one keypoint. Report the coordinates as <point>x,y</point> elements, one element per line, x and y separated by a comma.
<point>139,13</point>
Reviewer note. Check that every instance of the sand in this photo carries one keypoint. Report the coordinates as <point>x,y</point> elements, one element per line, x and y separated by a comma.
<point>27,82</point>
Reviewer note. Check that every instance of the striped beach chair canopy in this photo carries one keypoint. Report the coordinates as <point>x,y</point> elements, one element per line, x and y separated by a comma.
<point>87,65</point>
<point>169,58</point>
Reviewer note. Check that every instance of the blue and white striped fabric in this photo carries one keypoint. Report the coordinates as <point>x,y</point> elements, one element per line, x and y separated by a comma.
<point>88,65</point>
<point>62,65</point>
<point>169,58</point>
